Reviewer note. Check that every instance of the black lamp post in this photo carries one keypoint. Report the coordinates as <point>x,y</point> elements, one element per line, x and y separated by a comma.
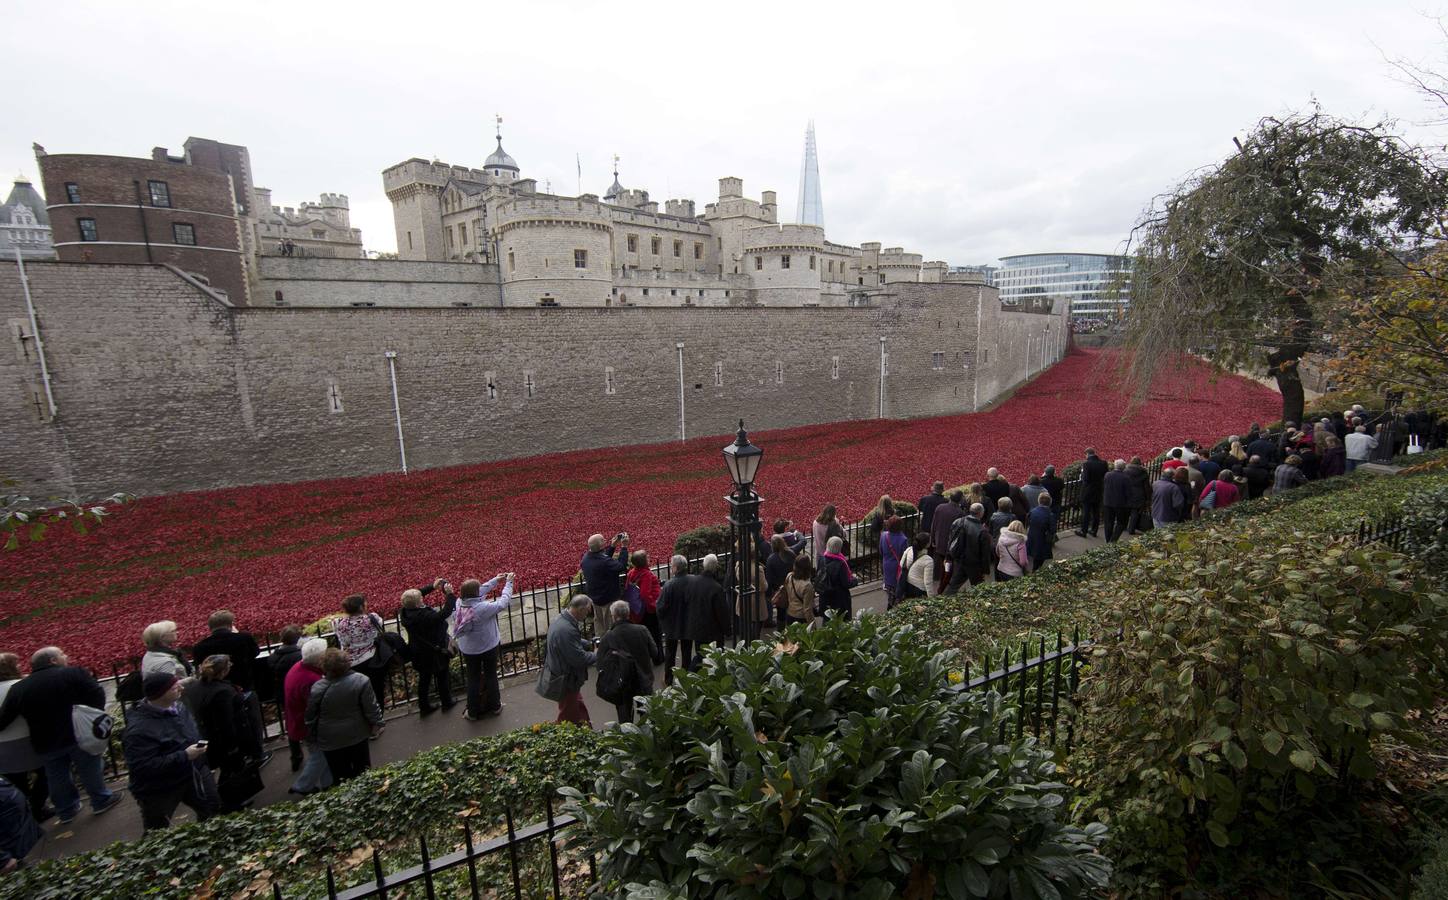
<point>743,459</point>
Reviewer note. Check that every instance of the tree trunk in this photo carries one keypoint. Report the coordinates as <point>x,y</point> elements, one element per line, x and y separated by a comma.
<point>1289,382</point>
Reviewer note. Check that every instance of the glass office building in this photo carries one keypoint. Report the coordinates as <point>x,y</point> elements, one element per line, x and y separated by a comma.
<point>1085,280</point>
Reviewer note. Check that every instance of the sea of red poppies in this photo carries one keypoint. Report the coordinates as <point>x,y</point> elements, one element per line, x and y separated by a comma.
<point>289,552</point>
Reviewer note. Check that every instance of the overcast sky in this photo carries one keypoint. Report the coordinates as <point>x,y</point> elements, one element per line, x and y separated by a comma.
<point>962,131</point>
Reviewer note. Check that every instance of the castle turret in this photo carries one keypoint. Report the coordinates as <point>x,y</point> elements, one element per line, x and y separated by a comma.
<point>499,166</point>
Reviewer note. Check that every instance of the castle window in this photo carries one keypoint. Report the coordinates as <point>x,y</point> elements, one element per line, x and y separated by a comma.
<point>678,249</point>
<point>726,292</point>
<point>778,372</point>
<point>673,292</point>
<point>319,234</point>
<point>160,193</point>
<point>718,374</point>
<point>654,245</point>
<point>181,233</point>
<point>882,277</point>
<point>937,360</point>
<point>334,396</point>
<point>633,243</point>
<point>985,356</point>
<point>279,298</point>
<point>646,292</point>
<point>490,381</point>
<point>529,385</point>
<point>409,240</point>
<point>580,259</point>
<point>811,262</point>
<point>862,281</point>
<point>608,385</point>
<point>758,263</point>
<point>784,261</point>
<point>698,250</point>
<point>72,192</point>
<point>87,229</point>
<point>511,265</point>
<point>834,368</point>
<point>462,234</point>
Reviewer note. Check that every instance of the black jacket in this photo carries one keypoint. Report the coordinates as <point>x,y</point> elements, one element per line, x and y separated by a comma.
<point>709,616</point>
<point>634,641</point>
<point>155,742</point>
<point>776,569</point>
<point>1264,448</point>
<point>998,521</point>
<point>1116,490</point>
<point>242,649</point>
<point>1139,494</point>
<point>45,699</point>
<point>278,665</point>
<point>218,711</point>
<point>1056,487</point>
<point>601,574</point>
<point>1093,476</point>
<point>1259,479</point>
<point>673,606</point>
<point>995,489</point>
<point>18,832</point>
<point>927,506</point>
<point>836,594</point>
<point>427,631</point>
<point>970,544</point>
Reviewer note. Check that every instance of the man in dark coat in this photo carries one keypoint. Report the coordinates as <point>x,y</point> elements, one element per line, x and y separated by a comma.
<point>283,656</point>
<point>1041,531</point>
<point>1258,475</point>
<point>45,700</point>
<point>994,488</point>
<point>1116,498</point>
<point>971,552</point>
<point>834,581</point>
<point>567,654</point>
<point>19,832</point>
<point>1054,486</point>
<point>929,502</point>
<point>1264,447</point>
<point>636,644</point>
<point>940,525</point>
<point>1139,496</point>
<point>428,637</point>
<point>710,617</point>
<point>601,574</point>
<point>227,641</point>
<point>167,764</point>
<point>1093,477</point>
<point>673,616</point>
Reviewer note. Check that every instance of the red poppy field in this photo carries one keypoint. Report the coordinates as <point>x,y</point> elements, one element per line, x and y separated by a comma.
<point>288,553</point>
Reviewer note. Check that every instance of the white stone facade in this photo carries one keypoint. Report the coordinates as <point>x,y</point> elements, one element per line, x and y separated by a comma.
<point>623,251</point>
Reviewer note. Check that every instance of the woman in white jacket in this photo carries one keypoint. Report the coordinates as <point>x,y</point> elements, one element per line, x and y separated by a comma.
<point>1011,552</point>
<point>919,568</point>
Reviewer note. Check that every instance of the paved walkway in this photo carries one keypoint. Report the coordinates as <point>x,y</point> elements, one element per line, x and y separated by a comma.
<point>406,734</point>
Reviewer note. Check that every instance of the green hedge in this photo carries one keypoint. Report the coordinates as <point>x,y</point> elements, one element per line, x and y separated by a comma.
<point>388,807</point>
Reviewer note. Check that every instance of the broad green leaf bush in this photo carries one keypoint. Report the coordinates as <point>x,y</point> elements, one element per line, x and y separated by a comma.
<point>838,762</point>
<point>387,807</point>
<point>1425,516</point>
<point>1231,720</point>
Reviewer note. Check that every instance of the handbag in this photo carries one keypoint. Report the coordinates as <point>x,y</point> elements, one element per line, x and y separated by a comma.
<point>382,648</point>
<point>781,599</point>
<point>92,728</point>
<point>1414,445</point>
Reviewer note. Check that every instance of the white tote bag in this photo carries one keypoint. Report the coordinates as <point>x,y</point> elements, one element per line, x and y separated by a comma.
<point>92,728</point>
<point>1414,446</point>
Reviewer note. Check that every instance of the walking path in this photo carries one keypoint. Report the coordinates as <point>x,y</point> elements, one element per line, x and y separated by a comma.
<point>407,734</point>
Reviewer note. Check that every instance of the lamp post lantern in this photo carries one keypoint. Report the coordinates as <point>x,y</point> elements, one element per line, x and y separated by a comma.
<point>743,460</point>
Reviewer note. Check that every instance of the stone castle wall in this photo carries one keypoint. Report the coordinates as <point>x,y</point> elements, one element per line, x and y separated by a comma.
<point>320,281</point>
<point>161,387</point>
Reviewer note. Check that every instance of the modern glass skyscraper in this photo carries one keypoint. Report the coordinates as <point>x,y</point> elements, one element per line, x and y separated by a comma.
<point>1085,280</point>
<point>810,210</point>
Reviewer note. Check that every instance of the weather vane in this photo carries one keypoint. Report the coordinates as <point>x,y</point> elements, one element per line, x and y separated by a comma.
<point>500,125</point>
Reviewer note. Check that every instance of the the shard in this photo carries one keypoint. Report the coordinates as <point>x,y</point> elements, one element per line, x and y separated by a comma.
<point>810,210</point>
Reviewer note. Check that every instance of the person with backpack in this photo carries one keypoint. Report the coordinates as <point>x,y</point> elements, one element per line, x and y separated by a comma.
<point>220,713</point>
<point>567,654</point>
<point>893,544</point>
<point>427,636</point>
<point>641,591</point>
<point>46,700</point>
<point>626,657</point>
<point>971,552</point>
<point>1012,559</point>
<point>475,632</point>
<point>795,598</point>
<point>833,580</point>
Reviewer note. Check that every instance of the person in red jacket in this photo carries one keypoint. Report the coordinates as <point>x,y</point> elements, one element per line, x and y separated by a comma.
<point>297,687</point>
<point>1222,493</point>
<point>641,575</point>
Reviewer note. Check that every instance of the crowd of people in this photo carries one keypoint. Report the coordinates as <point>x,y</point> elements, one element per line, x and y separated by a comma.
<point>193,731</point>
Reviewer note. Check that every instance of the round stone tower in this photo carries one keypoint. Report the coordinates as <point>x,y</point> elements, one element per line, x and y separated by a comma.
<point>555,251</point>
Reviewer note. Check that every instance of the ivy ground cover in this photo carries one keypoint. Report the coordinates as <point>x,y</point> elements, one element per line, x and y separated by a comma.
<point>277,554</point>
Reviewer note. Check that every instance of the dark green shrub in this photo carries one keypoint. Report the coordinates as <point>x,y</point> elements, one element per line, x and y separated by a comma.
<point>387,807</point>
<point>1229,722</point>
<point>1432,882</point>
<point>838,762</point>
<point>1425,518</point>
<point>703,540</point>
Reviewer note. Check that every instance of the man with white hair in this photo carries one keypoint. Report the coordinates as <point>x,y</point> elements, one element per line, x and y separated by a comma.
<point>602,574</point>
<point>994,487</point>
<point>296,689</point>
<point>626,657</point>
<point>1116,499</point>
<point>709,617</point>
<point>1360,446</point>
<point>566,658</point>
<point>45,700</point>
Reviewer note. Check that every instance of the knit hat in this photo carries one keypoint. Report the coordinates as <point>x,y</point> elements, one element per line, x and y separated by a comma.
<point>156,684</point>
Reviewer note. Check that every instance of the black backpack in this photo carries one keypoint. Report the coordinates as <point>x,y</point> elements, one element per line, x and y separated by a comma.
<point>129,689</point>
<point>616,676</point>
